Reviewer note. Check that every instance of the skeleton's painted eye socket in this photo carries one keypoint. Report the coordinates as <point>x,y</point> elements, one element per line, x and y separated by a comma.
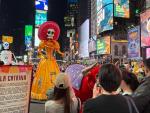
<point>51,32</point>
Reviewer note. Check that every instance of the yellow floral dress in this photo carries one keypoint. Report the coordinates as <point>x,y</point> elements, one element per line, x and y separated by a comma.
<point>47,70</point>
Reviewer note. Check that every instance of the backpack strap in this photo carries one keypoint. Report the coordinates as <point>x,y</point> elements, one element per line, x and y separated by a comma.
<point>134,106</point>
<point>131,105</point>
<point>79,105</point>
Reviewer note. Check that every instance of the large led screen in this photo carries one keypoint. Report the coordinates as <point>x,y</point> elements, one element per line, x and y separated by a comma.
<point>104,15</point>
<point>28,30</point>
<point>121,8</point>
<point>92,45</point>
<point>147,52</point>
<point>40,17</point>
<point>41,4</point>
<point>72,1</point>
<point>36,39</point>
<point>0,46</point>
<point>83,39</point>
<point>134,42</point>
<point>147,3</point>
<point>103,45</point>
<point>145,28</point>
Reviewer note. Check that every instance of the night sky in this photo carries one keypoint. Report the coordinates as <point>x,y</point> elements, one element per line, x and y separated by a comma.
<point>15,14</point>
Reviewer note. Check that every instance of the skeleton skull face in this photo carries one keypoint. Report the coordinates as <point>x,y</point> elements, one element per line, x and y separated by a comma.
<point>50,33</point>
<point>6,45</point>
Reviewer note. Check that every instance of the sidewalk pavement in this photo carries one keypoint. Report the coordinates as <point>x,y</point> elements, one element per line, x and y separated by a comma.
<point>37,107</point>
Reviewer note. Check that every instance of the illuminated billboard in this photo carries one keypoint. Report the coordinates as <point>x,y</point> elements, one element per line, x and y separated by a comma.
<point>40,17</point>
<point>134,43</point>
<point>36,39</point>
<point>147,52</point>
<point>147,3</point>
<point>72,1</point>
<point>92,44</point>
<point>145,28</point>
<point>41,4</point>
<point>28,36</point>
<point>69,21</point>
<point>121,8</point>
<point>28,30</point>
<point>84,38</point>
<point>104,15</point>
<point>8,39</point>
<point>103,45</point>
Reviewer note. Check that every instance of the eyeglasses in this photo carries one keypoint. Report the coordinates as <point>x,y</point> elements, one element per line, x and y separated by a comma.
<point>98,85</point>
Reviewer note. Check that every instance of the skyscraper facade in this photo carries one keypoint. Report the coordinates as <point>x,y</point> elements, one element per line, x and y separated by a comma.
<point>93,21</point>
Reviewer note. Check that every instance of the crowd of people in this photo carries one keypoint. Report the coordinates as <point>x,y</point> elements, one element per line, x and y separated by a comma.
<point>117,90</point>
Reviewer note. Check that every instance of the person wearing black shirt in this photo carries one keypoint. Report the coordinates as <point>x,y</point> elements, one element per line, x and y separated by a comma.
<point>109,101</point>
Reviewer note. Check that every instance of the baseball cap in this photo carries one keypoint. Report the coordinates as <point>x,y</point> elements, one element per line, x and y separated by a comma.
<point>62,81</point>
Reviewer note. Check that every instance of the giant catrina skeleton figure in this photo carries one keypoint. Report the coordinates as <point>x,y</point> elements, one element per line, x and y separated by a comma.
<point>47,68</point>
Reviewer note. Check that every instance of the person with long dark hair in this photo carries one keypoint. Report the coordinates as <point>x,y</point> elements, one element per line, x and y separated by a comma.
<point>64,100</point>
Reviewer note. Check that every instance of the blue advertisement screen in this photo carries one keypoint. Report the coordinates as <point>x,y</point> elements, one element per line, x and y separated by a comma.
<point>134,43</point>
<point>104,15</point>
<point>72,1</point>
<point>40,17</point>
<point>41,4</point>
<point>121,8</point>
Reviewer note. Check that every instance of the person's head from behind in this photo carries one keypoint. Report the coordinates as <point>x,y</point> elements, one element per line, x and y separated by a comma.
<point>109,78</point>
<point>147,67</point>
<point>62,91</point>
<point>129,82</point>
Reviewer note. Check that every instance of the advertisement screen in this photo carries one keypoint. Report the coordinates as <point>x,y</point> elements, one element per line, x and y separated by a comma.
<point>147,3</point>
<point>41,4</point>
<point>104,15</point>
<point>121,8</point>
<point>8,39</point>
<point>84,38</point>
<point>69,21</point>
<point>40,17</point>
<point>103,45</point>
<point>28,30</point>
<point>147,52</point>
<point>134,43</point>
<point>0,46</point>
<point>92,45</point>
<point>145,28</point>
<point>36,39</point>
<point>72,1</point>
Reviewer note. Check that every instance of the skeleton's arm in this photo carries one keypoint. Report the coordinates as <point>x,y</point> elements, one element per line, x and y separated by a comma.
<point>40,48</point>
<point>58,48</point>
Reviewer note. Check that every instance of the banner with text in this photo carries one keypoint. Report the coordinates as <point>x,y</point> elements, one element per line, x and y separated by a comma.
<point>15,84</point>
<point>134,42</point>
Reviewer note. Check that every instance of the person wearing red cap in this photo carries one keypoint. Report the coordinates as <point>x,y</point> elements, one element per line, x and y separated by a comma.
<point>47,68</point>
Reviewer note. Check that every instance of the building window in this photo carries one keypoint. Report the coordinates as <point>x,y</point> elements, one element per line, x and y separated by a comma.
<point>116,50</point>
<point>124,50</point>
